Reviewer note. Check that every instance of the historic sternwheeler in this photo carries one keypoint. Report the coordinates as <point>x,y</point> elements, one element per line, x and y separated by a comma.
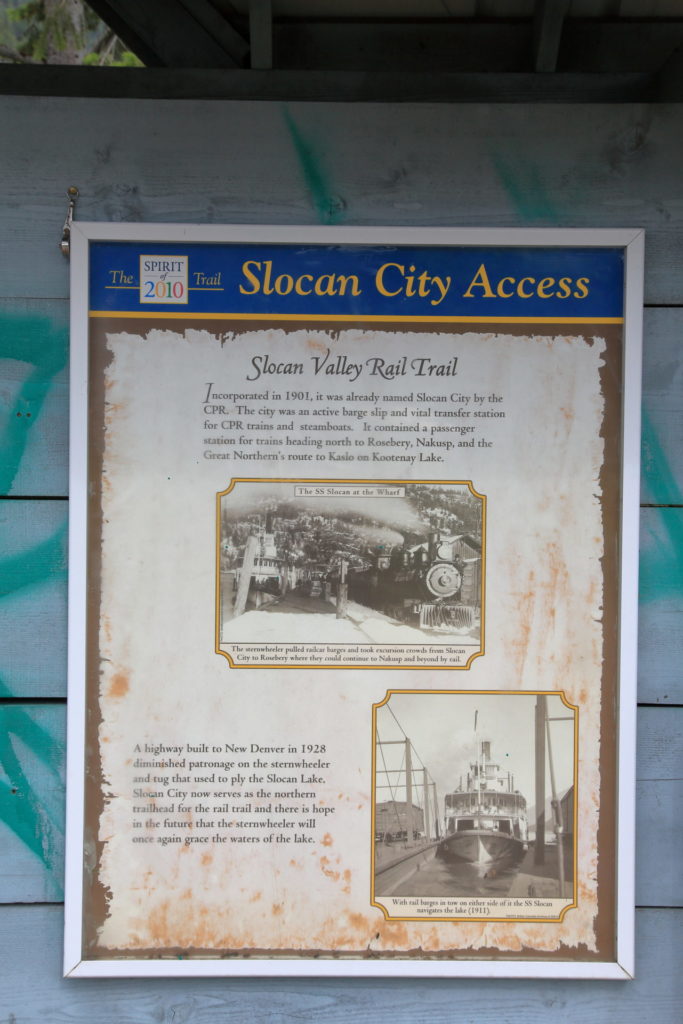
<point>485,817</point>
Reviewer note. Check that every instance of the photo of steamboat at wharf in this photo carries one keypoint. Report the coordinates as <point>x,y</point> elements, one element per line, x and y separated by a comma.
<point>485,840</point>
<point>485,817</point>
<point>406,573</point>
<point>431,582</point>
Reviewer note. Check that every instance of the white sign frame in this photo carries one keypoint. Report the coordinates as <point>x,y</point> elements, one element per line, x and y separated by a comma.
<point>622,967</point>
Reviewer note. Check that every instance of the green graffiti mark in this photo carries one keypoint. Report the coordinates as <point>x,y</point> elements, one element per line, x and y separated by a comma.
<point>37,341</point>
<point>656,467</point>
<point>36,819</point>
<point>38,823</point>
<point>330,208</point>
<point>661,573</point>
<point>527,190</point>
<point>44,561</point>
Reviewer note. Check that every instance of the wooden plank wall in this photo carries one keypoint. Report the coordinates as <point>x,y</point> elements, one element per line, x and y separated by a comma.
<point>221,161</point>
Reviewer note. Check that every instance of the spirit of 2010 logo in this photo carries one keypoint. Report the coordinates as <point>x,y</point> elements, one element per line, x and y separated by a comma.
<point>163,280</point>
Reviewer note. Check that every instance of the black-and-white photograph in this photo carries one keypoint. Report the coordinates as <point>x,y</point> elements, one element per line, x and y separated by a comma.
<point>474,796</point>
<point>351,563</point>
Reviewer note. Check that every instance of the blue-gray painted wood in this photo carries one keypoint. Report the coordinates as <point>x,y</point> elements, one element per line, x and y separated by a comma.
<point>660,608</point>
<point>193,161</point>
<point>32,779</point>
<point>34,397</point>
<point>659,807</point>
<point>202,162</point>
<point>33,598</point>
<point>662,427</point>
<point>32,991</point>
<point>660,744</point>
<point>31,842</point>
<point>659,841</point>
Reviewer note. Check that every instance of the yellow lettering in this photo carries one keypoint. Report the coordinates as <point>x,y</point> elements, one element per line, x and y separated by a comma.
<point>543,285</point>
<point>582,288</point>
<point>480,280</point>
<point>501,291</point>
<point>344,280</point>
<point>520,290</point>
<point>379,279</point>
<point>565,286</point>
<point>251,278</point>
<point>325,289</point>
<point>283,284</point>
<point>299,288</point>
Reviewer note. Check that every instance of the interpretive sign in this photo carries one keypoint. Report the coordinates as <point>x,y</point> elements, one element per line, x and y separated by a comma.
<point>352,601</point>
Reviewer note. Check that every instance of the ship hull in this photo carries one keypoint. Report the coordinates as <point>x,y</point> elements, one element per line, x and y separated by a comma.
<point>480,846</point>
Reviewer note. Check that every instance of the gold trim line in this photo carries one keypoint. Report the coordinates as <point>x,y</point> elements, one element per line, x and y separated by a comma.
<point>358,317</point>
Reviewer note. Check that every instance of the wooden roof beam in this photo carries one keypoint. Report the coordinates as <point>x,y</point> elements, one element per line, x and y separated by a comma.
<point>337,86</point>
<point>261,34</point>
<point>175,33</point>
<point>549,18</point>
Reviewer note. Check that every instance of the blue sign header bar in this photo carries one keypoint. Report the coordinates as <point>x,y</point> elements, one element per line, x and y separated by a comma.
<point>357,281</point>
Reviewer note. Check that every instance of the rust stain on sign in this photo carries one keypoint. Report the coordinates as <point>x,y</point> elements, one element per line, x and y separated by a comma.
<point>119,685</point>
<point>525,612</point>
<point>327,871</point>
<point>318,346</point>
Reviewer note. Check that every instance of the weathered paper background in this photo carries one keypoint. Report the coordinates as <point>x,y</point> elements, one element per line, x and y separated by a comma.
<point>160,680</point>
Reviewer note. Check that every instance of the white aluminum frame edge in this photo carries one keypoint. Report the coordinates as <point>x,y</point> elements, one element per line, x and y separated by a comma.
<point>628,601</point>
<point>77,593</point>
<point>632,241</point>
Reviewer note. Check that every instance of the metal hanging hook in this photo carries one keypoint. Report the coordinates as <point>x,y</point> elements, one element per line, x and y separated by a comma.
<point>65,244</point>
